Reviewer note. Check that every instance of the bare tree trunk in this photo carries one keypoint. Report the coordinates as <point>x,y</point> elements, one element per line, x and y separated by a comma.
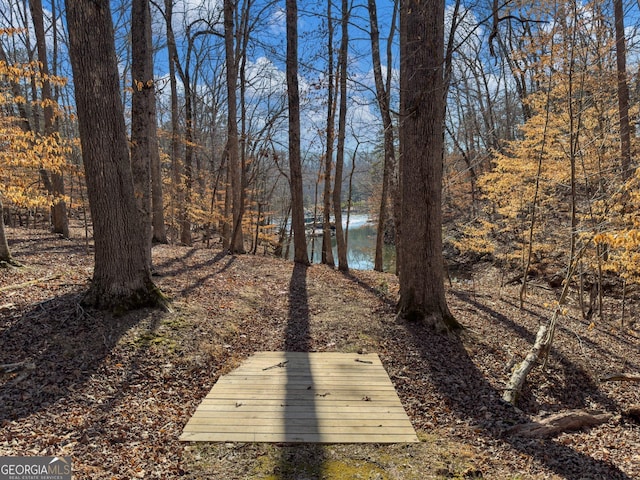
<point>178,210</point>
<point>327,249</point>
<point>235,170</point>
<point>422,110</point>
<point>382,95</point>
<point>5,254</point>
<point>185,224</point>
<point>159,231</point>
<point>59,208</point>
<point>141,120</point>
<point>623,91</point>
<point>122,277</point>
<point>295,163</point>
<point>343,264</point>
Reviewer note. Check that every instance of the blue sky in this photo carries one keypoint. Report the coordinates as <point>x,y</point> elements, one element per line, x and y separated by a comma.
<point>265,68</point>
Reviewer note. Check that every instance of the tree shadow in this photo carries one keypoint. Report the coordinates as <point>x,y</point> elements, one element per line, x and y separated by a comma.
<point>65,344</point>
<point>177,267</point>
<point>468,394</point>
<point>567,397</point>
<point>585,323</point>
<point>296,462</point>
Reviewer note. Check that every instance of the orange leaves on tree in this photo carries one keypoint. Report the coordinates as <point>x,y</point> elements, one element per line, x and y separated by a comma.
<point>24,154</point>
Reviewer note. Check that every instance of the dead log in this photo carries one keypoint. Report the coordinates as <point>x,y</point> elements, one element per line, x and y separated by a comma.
<point>557,423</point>
<point>520,372</point>
<point>621,377</point>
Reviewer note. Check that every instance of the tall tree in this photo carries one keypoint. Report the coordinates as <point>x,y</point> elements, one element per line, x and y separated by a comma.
<point>383,96</point>
<point>295,163</point>
<point>342,126</point>
<point>122,276</point>
<point>327,249</point>
<point>189,141</point>
<point>178,205</point>
<point>233,152</point>
<point>422,110</point>
<point>56,184</point>
<point>144,135</point>
<point>623,90</point>
<point>141,115</point>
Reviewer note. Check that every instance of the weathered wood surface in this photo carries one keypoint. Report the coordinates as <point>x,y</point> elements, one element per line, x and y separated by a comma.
<point>318,397</point>
<point>519,374</point>
<point>560,422</point>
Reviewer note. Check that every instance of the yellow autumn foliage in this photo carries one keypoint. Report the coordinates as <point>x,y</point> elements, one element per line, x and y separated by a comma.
<point>23,153</point>
<point>574,117</point>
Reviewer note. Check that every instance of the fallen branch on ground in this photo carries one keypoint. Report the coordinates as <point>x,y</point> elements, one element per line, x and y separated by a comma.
<point>544,340</point>
<point>30,283</point>
<point>621,377</point>
<point>560,422</point>
<point>519,375</point>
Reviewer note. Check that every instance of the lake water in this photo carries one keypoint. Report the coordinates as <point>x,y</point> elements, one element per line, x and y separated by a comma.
<point>361,246</point>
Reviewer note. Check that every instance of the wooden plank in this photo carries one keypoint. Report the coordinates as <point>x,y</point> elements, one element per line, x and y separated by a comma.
<point>381,408</point>
<point>298,422</point>
<point>330,370</point>
<point>303,429</point>
<point>308,385</point>
<point>279,405</point>
<point>360,417</point>
<point>303,397</point>
<point>283,397</point>
<point>306,390</point>
<point>285,438</point>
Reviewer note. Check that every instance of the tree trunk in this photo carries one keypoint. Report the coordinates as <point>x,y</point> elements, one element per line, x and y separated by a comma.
<point>295,163</point>
<point>420,260</point>
<point>59,208</point>
<point>141,118</point>
<point>159,232</point>
<point>122,277</point>
<point>5,254</point>
<point>185,224</point>
<point>157,197</point>
<point>382,95</point>
<point>343,265</point>
<point>327,249</point>
<point>178,209</point>
<point>623,91</point>
<point>235,171</point>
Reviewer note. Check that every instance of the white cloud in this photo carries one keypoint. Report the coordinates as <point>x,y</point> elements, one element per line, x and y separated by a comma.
<point>278,22</point>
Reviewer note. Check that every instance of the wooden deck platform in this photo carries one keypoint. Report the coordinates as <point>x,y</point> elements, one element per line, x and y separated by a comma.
<point>318,397</point>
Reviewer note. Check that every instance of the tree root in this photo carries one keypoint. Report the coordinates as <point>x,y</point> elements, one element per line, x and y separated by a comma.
<point>10,262</point>
<point>148,296</point>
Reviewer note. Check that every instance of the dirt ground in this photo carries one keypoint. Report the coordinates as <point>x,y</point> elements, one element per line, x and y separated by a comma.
<point>115,393</point>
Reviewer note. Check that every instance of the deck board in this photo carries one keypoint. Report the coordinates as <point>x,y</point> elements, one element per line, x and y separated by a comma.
<point>317,397</point>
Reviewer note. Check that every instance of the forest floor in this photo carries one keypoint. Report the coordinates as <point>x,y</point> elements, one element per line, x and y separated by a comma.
<point>115,393</point>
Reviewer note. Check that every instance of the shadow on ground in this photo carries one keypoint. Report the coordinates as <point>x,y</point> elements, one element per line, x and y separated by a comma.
<point>64,345</point>
<point>309,462</point>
